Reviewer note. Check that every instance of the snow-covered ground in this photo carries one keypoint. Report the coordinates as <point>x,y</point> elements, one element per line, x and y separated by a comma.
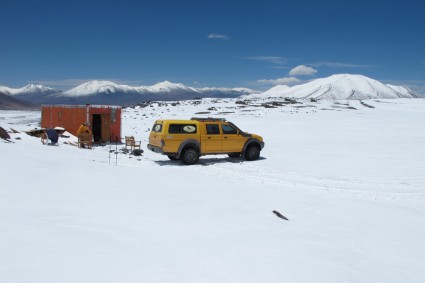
<point>349,178</point>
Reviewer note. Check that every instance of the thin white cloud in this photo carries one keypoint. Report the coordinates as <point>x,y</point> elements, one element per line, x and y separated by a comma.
<point>217,36</point>
<point>268,59</point>
<point>302,70</point>
<point>281,81</point>
<point>339,65</point>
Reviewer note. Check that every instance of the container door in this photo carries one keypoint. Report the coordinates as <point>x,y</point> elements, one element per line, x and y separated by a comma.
<point>96,127</point>
<point>106,128</point>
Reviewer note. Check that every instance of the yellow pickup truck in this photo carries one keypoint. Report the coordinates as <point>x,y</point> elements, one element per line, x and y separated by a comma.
<point>187,140</point>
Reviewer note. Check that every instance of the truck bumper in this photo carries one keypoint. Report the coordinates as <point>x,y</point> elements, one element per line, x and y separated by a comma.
<point>155,149</point>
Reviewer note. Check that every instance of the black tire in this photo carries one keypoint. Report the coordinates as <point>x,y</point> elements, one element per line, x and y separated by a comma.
<point>252,152</point>
<point>189,156</point>
<point>234,154</point>
<point>172,157</point>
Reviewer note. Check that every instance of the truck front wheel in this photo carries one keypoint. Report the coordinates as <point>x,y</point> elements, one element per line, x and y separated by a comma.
<point>252,153</point>
<point>190,156</point>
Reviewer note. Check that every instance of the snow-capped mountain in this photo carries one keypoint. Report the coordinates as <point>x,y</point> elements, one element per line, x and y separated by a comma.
<point>28,89</point>
<point>32,88</point>
<point>275,91</point>
<point>341,86</point>
<point>165,87</point>
<point>6,90</point>
<point>233,91</point>
<point>94,88</point>
<point>32,93</point>
<point>107,92</point>
<point>404,90</point>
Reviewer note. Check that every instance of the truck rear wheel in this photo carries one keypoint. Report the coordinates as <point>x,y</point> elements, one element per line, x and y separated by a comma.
<point>190,156</point>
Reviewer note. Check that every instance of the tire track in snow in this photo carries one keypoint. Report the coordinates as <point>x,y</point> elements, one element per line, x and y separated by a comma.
<point>351,188</point>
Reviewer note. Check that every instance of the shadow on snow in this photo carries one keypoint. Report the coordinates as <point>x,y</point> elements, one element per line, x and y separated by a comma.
<point>207,161</point>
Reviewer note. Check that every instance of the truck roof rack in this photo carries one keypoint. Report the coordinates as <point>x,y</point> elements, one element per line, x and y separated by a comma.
<point>209,119</point>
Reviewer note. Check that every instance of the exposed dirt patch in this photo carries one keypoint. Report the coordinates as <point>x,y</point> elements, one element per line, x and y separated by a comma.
<point>3,134</point>
<point>366,105</point>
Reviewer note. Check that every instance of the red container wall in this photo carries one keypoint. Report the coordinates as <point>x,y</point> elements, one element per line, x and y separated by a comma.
<point>71,117</point>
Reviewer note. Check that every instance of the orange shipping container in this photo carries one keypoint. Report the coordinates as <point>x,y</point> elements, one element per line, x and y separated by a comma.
<point>103,120</point>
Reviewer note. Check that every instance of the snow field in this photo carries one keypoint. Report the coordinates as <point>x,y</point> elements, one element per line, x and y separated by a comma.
<point>350,182</point>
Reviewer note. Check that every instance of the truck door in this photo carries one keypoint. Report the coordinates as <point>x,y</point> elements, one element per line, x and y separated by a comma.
<point>211,138</point>
<point>232,140</point>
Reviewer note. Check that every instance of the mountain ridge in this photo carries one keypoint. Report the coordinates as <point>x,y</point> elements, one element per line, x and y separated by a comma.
<point>108,92</point>
<point>340,87</point>
<point>8,102</point>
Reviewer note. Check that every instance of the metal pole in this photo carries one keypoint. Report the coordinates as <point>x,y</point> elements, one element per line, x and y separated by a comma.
<point>51,116</point>
<point>110,140</point>
<point>116,151</point>
<point>87,114</point>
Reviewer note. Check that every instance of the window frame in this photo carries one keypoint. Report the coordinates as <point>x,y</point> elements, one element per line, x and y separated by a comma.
<point>228,125</point>
<point>213,124</point>
<point>182,131</point>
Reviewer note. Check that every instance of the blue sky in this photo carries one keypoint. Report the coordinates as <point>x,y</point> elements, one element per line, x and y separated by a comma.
<point>210,43</point>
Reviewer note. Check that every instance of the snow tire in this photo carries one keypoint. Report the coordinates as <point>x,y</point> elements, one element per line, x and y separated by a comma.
<point>252,153</point>
<point>190,156</point>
